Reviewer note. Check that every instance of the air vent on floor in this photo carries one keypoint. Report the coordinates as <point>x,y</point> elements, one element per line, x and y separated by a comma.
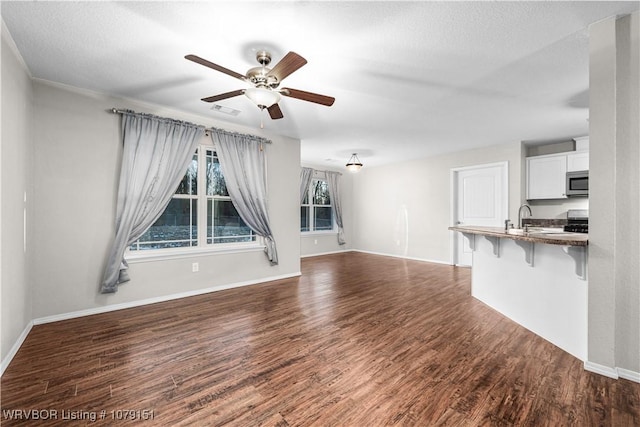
<point>225,110</point>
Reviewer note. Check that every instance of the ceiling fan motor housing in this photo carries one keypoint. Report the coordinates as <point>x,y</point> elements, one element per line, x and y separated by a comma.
<point>259,76</point>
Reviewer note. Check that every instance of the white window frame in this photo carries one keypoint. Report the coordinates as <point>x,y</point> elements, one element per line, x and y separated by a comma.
<point>203,248</point>
<point>311,206</point>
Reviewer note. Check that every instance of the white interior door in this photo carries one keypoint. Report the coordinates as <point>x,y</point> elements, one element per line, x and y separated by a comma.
<point>481,198</point>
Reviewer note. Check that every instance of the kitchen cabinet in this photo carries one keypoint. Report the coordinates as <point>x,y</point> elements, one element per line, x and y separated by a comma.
<point>546,176</point>
<point>578,161</point>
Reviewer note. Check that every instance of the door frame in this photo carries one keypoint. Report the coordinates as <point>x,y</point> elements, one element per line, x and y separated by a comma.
<point>453,206</point>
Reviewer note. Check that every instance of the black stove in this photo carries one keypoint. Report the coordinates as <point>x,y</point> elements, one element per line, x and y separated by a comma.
<point>577,228</point>
<point>577,221</point>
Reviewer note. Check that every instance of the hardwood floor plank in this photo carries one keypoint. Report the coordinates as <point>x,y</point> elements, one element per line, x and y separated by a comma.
<point>399,343</point>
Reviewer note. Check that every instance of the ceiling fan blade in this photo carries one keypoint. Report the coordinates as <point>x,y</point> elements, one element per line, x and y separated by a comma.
<point>287,65</point>
<point>308,96</point>
<point>216,67</point>
<point>275,112</point>
<point>223,96</point>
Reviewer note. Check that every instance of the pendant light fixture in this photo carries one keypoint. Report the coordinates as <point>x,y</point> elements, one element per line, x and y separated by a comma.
<point>354,164</point>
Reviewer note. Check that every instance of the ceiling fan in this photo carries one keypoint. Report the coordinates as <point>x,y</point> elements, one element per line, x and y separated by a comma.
<point>265,81</point>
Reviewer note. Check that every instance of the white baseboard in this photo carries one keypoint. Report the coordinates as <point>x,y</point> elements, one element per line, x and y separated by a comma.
<point>139,303</point>
<point>402,257</point>
<point>596,368</point>
<point>629,375</point>
<point>15,348</point>
<point>327,253</point>
<point>610,372</point>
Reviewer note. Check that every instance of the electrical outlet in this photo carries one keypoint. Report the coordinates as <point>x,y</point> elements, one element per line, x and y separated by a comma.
<point>195,267</point>
<point>315,241</point>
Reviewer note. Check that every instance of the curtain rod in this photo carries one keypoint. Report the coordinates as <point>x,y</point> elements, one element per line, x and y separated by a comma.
<point>322,171</point>
<point>206,129</point>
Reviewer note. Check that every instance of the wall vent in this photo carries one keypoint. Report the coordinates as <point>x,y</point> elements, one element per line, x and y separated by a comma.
<point>225,110</point>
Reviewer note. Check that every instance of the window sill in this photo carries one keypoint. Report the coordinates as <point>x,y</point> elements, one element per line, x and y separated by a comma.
<point>167,254</point>
<point>317,233</point>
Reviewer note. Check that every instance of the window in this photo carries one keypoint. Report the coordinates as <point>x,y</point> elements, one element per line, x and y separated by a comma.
<point>200,199</point>
<point>224,224</point>
<point>316,213</point>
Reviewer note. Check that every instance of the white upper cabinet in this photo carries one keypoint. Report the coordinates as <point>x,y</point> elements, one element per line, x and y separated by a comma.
<point>578,161</point>
<point>582,143</point>
<point>546,177</point>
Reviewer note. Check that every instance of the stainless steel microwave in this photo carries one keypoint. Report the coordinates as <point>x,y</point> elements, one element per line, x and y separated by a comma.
<point>577,183</point>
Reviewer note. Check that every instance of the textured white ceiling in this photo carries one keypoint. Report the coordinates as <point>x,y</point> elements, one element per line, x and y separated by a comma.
<point>411,79</point>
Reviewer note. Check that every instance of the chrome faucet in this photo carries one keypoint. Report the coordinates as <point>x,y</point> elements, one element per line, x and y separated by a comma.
<point>520,214</point>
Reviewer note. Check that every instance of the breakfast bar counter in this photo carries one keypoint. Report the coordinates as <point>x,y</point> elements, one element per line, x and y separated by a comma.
<point>536,278</point>
<point>547,236</point>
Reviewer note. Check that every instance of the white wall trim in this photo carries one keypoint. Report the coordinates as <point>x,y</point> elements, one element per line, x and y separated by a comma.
<point>327,253</point>
<point>403,257</point>
<point>14,48</point>
<point>610,372</point>
<point>607,371</point>
<point>23,336</point>
<point>139,303</point>
<point>629,375</point>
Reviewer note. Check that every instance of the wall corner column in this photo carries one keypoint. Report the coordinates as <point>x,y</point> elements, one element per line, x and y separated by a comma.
<point>614,300</point>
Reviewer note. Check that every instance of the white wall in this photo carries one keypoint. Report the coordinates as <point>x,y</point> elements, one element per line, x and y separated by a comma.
<point>16,156</point>
<point>322,243</point>
<point>614,229</point>
<point>404,209</point>
<point>628,199</point>
<point>78,149</point>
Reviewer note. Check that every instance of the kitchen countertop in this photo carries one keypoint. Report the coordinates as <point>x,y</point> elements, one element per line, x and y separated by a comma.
<point>534,236</point>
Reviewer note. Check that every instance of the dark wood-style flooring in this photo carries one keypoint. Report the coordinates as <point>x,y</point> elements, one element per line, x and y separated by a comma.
<point>358,340</point>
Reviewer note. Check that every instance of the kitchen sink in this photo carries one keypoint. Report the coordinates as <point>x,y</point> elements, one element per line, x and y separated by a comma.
<point>543,230</point>
<point>537,231</point>
<point>516,231</point>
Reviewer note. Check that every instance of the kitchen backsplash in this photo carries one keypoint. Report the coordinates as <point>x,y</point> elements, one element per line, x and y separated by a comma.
<point>557,208</point>
<point>544,222</point>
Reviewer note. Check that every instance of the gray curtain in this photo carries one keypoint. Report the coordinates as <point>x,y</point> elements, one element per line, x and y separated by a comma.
<point>333,179</point>
<point>242,160</point>
<point>306,174</point>
<point>157,152</point>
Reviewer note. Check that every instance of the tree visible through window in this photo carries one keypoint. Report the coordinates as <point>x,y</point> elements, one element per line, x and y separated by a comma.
<point>182,224</point>
<point>316,213</point>
<point>224,224</point>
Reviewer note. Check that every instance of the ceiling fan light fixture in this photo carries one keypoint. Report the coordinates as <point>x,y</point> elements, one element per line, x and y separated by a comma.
<point>354,164</point>
<point>263,98</point>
